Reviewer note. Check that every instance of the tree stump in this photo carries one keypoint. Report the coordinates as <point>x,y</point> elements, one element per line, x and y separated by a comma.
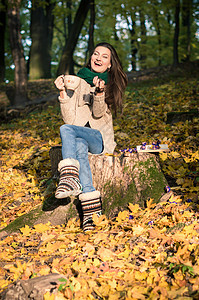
<point>120,179</point>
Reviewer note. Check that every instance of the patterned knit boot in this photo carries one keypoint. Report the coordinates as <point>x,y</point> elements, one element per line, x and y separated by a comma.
<point>69,183</point>
<point>91,203</point>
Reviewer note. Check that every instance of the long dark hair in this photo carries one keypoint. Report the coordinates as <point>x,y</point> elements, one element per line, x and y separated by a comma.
<point>117,78</point>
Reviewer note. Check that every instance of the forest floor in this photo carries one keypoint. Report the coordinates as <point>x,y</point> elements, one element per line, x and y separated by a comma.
<point>149,253</point>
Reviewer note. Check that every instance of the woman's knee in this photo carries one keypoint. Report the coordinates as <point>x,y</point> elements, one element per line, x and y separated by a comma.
<point>64,128</point>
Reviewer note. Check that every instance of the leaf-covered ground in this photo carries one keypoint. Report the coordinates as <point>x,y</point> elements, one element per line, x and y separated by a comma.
<point>149,253</point>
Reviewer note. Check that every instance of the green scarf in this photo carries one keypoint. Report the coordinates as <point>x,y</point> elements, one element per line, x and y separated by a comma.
<point>88,75</point>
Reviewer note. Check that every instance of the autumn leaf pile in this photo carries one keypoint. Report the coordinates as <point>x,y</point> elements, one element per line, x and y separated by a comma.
<point>149,253</point>
<point>143,254</point>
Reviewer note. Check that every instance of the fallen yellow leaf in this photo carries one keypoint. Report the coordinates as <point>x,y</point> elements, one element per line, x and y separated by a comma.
<point>106,254</point>
<point>49,296</point>
<point>134,207</point>
<point>26,231</point>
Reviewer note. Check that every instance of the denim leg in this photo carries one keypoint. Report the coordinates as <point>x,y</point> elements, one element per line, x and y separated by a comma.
<point>77,141</point>
<point>69,133</point>
<point>85,175</point>
<point>68,142</point>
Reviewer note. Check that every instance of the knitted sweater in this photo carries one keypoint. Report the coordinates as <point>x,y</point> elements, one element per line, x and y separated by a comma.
<point>82,106</point>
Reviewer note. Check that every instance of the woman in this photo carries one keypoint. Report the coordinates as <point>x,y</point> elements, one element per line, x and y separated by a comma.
<point>88,125</point>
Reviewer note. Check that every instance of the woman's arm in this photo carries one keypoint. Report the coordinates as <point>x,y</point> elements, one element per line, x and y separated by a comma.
<point>99,104</point>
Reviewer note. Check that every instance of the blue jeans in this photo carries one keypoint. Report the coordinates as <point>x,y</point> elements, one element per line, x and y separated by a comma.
<point>77,141</point>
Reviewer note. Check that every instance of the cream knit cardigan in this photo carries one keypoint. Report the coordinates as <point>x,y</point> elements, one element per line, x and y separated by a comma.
<point>82,106</point>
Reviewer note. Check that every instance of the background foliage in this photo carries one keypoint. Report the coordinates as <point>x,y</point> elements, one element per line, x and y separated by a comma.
<point>139,30</point>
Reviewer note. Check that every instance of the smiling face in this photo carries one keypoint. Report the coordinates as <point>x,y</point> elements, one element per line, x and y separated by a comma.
<point>101,59</point>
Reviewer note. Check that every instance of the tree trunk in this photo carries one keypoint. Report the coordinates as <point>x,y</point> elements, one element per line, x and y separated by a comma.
<point>67,55</point>
<point>91,31</point>
<point>3,10</point>
<point>176,33</point>
<point>131,28</point>
<point>120,179</point>
<point>69,17</point>
<point>91,28</point>
<point>159,38</point>
<point>17,52</point>
<point>186,24</point>
<point>168,28</point>
<point>42,21</point>
<point>69,27</point>
<point>156,12</point>
<point>142,49</point>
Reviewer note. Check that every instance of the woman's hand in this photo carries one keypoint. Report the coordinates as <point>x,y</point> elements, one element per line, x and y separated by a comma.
<point>59,83</point>
<point>99,85</point>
